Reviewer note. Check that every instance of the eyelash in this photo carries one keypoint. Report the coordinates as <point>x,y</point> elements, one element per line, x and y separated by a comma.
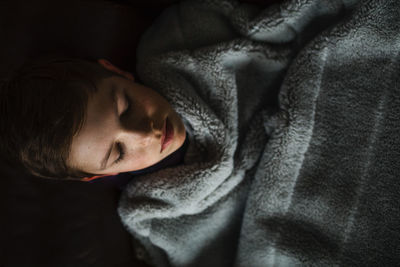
<point>121,153</point>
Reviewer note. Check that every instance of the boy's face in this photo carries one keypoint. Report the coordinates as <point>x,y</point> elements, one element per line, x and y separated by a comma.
<point>133,123</point>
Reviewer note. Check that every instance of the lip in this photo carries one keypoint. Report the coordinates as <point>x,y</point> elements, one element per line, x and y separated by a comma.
<point>168,135</point>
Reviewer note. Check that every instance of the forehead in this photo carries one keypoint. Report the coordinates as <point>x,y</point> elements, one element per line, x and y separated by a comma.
<point>94,135</point>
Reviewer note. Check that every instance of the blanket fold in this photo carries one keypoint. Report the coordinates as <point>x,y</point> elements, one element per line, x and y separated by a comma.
<point>294,117</point>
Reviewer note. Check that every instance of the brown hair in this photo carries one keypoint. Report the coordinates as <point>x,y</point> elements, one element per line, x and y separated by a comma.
<point>42,106</point>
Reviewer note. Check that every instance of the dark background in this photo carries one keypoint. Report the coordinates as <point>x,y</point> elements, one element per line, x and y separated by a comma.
<point>69,223</point>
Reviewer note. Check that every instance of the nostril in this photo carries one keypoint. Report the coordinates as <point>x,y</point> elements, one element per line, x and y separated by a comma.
<point>157,130</point>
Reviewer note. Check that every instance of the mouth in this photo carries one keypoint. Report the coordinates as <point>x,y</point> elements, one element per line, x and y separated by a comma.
<point>168,135</point>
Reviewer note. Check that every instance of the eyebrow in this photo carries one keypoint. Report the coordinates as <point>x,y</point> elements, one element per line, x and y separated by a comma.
<point>113,95</point>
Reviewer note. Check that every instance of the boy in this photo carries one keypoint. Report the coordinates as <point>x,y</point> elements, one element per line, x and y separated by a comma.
<point>294,158</point>
<point>70,118</point>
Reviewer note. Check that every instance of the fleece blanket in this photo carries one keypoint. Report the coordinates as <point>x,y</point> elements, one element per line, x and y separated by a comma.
<point>294,116</point>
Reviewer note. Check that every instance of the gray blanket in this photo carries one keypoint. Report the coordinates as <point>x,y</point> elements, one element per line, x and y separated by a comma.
<point>294,117</point>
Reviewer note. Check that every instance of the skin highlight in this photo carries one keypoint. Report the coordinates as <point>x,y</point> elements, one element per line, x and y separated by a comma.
<point>132,123</point>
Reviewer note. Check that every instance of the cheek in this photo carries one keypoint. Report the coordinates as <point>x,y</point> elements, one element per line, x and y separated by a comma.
<point>141,160</point>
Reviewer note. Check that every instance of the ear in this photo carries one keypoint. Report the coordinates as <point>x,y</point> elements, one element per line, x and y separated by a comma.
<point>107,64</point>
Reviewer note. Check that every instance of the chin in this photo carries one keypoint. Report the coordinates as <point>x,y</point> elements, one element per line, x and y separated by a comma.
<point>180,138</point>
<point>179,128</point>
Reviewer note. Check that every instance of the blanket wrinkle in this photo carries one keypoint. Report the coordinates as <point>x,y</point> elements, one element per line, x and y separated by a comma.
<point>293,113</point>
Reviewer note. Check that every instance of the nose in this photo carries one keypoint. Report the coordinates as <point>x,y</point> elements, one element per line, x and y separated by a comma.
<point>144,131</point>
<point>158,131</point>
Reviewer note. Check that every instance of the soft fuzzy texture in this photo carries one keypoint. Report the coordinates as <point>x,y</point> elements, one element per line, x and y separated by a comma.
<point>294,153</point>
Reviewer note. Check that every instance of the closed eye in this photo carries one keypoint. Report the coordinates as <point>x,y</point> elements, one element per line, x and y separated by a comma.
<point>119,145</point>
<point>128,106</point>
<point>121,153</point>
